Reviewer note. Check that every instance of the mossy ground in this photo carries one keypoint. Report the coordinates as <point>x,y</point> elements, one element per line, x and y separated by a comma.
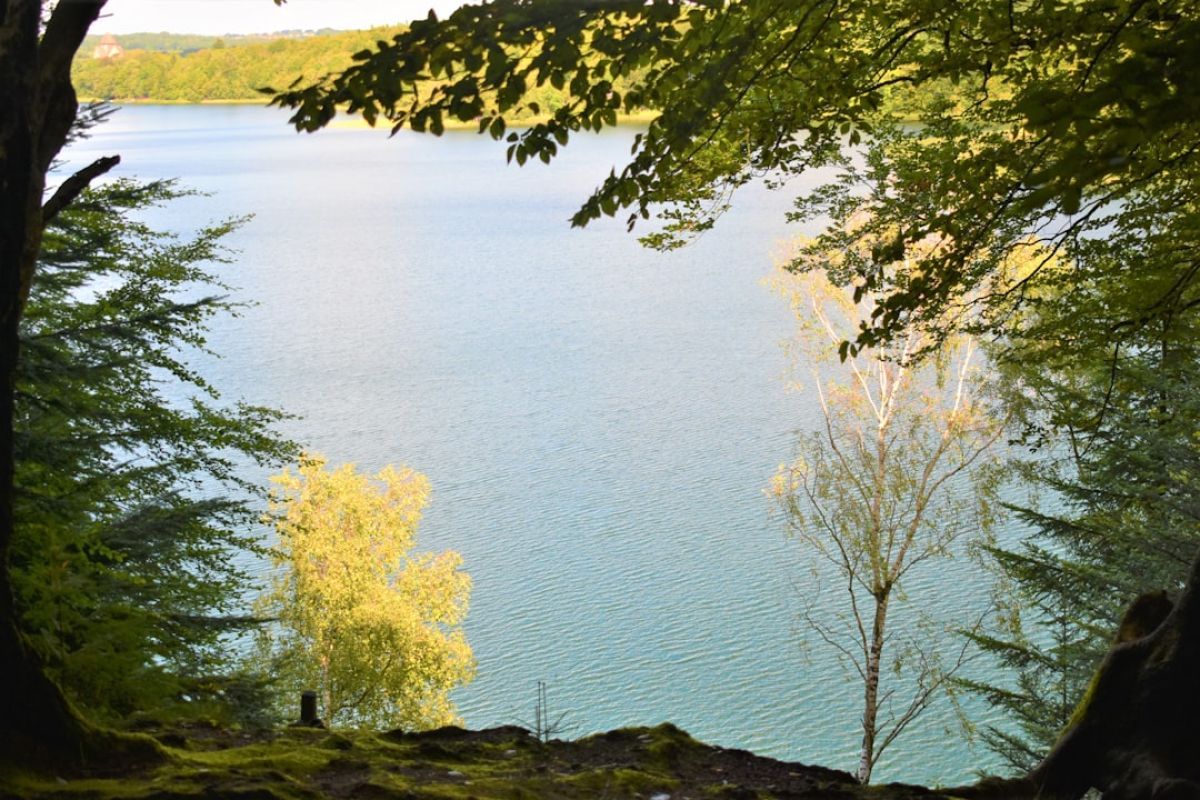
<point>298,764</point>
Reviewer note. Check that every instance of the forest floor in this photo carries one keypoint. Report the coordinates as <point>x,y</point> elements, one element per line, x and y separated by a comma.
<point>660,763</point>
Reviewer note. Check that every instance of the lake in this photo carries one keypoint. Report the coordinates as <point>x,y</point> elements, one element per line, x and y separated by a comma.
<point>598,421</point>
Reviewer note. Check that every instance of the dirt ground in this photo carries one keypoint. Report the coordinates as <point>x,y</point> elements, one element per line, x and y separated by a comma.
<point>660,763</point>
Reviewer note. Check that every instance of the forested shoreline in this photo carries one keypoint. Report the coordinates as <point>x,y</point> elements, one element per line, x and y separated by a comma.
<point>173,68</point>
<point>177,71</point>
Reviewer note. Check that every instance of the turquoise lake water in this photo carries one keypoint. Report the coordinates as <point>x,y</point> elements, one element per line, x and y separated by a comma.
<point>598,421</point>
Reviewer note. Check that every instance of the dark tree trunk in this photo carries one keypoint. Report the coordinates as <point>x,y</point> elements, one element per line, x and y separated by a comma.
<point>37,109</point>
<point>1135,734</point>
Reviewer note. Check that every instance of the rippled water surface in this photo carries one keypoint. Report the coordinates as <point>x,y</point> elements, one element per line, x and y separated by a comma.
<point>598,421</point>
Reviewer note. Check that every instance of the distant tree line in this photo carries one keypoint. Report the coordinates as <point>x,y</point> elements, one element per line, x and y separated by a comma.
<point>191,42</point>
<point>214,73</point>
<point>194,69</point>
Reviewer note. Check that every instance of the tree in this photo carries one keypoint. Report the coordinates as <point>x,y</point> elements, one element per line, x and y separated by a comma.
<point>1101,374</point>
<point>37,45</point>
<point>131,509</point>
<point>1123,398</point>
<point>873,495</point>
<point>1045,668</point>
<point>40,108</point>
<point>373,626</point>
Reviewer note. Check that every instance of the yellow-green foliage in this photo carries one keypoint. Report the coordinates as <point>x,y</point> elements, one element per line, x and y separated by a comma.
<point>222,73</point>
<point>235,73</point>
<point>371,625</point>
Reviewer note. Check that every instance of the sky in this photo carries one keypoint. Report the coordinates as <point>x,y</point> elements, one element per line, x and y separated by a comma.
<point>216,17</point>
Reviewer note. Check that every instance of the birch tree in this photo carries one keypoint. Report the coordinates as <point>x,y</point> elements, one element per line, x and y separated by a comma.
<point>375,628</point>
<point>897,475</point>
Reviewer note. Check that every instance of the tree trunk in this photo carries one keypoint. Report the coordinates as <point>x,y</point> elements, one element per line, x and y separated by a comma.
<point>36,722</point>
<point>326,690</point>
<point>38,108</point>
<point>1135,734</point>
<point>866,762</point>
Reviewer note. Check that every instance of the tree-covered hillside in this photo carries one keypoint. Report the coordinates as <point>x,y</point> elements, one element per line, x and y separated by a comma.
<point>191,42</point>
<point>233,69</point>
<point>230,70</point>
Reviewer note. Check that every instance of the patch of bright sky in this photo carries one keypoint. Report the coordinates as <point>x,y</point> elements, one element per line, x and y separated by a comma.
<point>217,17</point>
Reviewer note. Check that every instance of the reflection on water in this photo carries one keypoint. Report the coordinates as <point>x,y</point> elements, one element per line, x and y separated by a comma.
<point>598,421</point>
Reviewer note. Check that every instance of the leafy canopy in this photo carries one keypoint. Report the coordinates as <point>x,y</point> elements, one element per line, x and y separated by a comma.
<point>1031,110</point>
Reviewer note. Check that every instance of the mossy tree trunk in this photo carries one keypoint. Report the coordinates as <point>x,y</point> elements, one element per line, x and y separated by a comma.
<point>38,109</point>
<point>1136,734</point>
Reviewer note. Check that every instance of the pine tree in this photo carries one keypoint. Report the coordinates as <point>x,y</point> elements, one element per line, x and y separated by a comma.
<point>1112,420</point>
<point>130,501</point>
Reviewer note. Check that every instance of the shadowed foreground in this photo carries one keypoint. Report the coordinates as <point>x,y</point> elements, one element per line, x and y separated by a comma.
<point>1133,736</point>
<point>646,763</point>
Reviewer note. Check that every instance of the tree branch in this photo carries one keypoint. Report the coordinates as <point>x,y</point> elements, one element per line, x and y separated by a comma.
<point>73,186</point>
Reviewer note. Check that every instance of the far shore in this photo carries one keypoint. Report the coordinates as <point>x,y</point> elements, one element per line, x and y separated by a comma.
<point>142,101</point>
